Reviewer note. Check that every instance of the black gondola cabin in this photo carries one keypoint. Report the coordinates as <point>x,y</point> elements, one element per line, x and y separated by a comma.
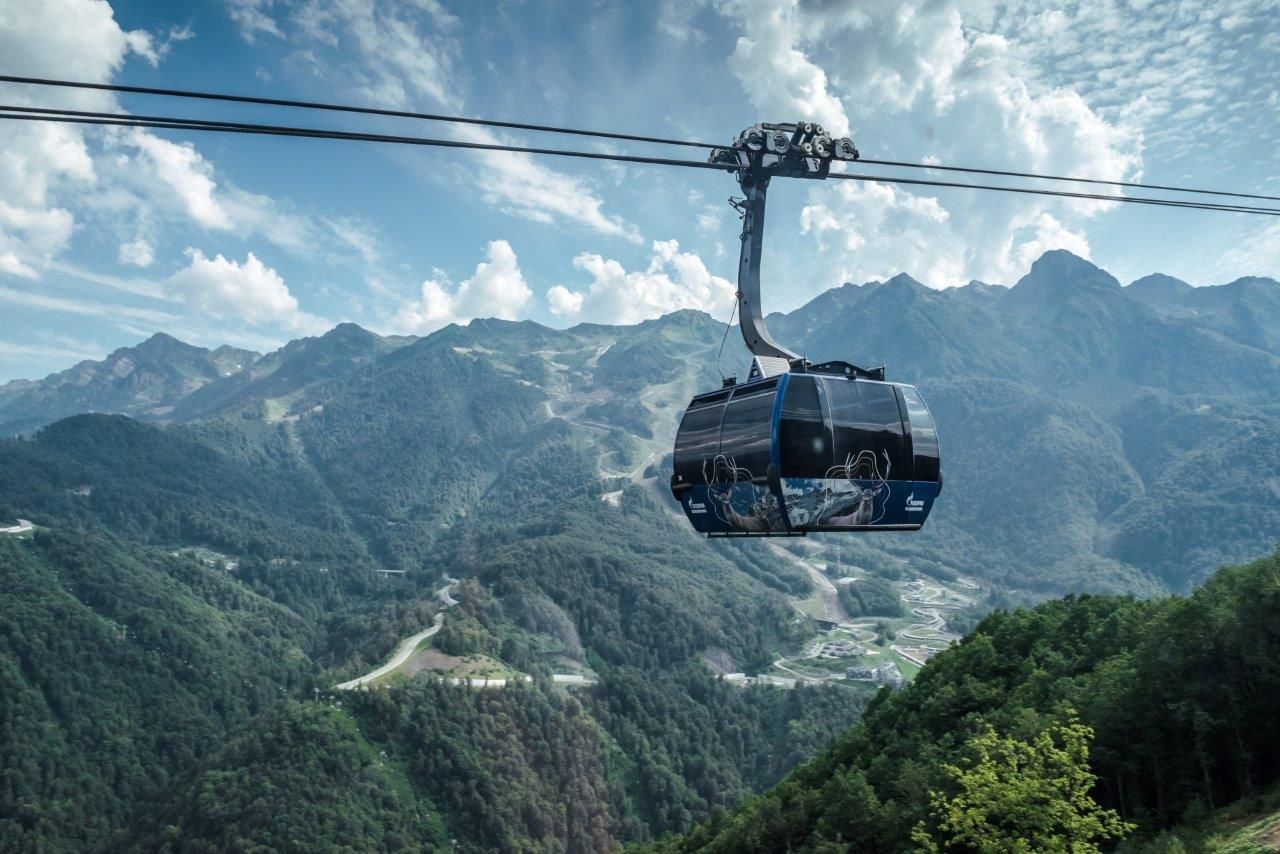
<point>802,452</point>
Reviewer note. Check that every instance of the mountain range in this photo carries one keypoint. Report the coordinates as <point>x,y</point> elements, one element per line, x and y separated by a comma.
<point>1094,438</point>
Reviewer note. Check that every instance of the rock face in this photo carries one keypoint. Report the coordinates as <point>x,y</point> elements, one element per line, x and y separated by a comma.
<point>145,381</point>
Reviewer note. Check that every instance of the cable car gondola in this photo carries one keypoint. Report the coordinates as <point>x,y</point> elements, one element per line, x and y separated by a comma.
<point>799,447</point>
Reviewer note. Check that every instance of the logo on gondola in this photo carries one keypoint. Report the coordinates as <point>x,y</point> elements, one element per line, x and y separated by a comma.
<point>913,504</point>
<point>695,507</point>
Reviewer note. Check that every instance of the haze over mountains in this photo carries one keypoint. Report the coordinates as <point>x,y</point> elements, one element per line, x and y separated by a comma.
<point>1095,438</point>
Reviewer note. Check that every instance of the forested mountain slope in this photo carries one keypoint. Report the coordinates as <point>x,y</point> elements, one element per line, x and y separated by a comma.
<point>120,666</point>
<point>1089,442</point>
<point>306,524</point>
<point>1180,693</point>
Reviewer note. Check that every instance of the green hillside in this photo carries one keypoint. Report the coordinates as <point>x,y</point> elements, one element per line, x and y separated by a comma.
<point>300,777</point>
<point>120,666</point>
<point>1180,694</point>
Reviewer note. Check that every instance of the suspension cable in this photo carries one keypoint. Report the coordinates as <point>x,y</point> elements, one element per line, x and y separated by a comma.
<point>13,112</point>
<point>626,137</point>
<point>169,123</point>
<point>727,326</point>
<point>348,108</point>
<point>1103,197</point>
<point>1043,177</point>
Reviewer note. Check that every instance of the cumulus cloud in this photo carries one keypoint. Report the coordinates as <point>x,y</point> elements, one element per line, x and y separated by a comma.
<point>930,77</point>
<point>54,178</point>
<point>187,175</point>
<point>673,280</point>
<point>72,38</point>
<point>497,288</point>
<point>31,236</point>
<point>249,291</point>
<point>137,253</point>
<point>781,81</point>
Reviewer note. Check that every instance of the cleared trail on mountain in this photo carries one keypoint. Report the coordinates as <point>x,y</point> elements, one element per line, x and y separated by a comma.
<point>832,610</point>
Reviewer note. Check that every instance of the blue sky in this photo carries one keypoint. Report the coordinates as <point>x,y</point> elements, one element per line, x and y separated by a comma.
<point>109,235</point>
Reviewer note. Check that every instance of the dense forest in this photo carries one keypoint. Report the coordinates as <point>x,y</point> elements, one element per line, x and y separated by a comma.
<point>1179,695</point>
<point>119,668</point>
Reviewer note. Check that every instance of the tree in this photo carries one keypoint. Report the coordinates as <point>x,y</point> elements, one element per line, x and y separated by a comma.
<point>1017,796</point>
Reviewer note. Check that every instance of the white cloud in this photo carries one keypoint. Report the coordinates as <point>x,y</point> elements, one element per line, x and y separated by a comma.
<point>781,81</point>
<point>150,177</point>
<point>72,350</point>
<point>89,308</point>
<point>404,54</point>
<point>519,185</point>
<point>1166,56</point>
<point>675,19</point>
<point>31,236</point>
<point>497,288</point>
<point>673,280</point>
<point>70,38</point>
<point>254,18</point>
<point>1256,253</point>
<point>250,291</point>
<point>129,285</point>
<point>188,175</point>
<point>55,178</point>
<point>710,219</point>
<point>138,253</point>
<point>925,72</point>
<point>11,264</point>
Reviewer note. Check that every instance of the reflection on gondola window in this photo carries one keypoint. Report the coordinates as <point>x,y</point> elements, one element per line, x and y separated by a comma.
<point>865,417</point>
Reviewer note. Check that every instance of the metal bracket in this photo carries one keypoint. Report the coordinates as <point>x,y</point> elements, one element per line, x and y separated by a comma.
<point>763,151</point>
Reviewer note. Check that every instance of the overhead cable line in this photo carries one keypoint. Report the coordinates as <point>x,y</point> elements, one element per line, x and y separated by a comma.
<point>349,108</point>
<point>624,137</point>
<point>1043,177</point>
<point>1102,197</point>
<point>66,116</point>
<point>172,123</point>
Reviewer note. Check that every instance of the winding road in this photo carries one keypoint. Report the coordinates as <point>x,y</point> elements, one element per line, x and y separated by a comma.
<point>407,646</point>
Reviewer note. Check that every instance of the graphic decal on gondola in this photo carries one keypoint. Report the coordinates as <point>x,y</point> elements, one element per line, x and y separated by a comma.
<point>737,502</point>
<point>853,494</point>
<point>858,487</point>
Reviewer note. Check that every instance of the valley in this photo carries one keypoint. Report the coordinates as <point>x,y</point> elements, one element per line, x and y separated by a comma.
<point>884,649</point>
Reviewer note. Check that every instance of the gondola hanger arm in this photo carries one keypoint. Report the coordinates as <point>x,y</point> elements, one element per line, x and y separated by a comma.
<point>762,152</point>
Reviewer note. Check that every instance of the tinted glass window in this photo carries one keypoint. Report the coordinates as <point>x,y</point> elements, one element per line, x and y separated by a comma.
<point>924,436</point>
<point>804,436</point>
<point>865,418</point>
<point>747,430</point>
<point>697,439</point>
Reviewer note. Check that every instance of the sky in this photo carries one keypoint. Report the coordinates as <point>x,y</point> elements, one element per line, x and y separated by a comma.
<point>109,235</point>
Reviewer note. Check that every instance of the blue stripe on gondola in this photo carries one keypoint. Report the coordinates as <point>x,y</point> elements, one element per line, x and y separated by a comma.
<point>775,428</point>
